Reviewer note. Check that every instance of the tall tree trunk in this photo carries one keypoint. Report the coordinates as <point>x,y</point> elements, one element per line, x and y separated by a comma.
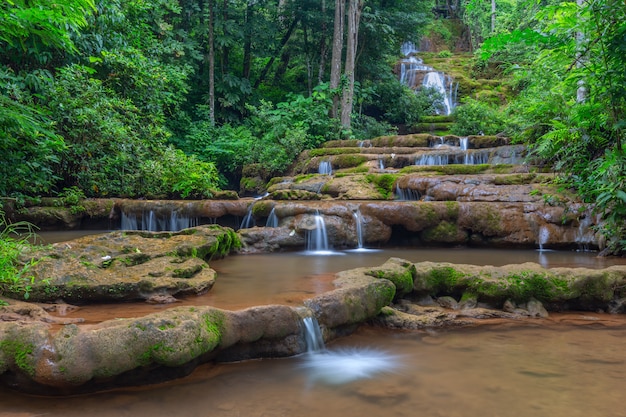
<point>225,48</point>
<point>211,63</point>
<point>493,16</point>
<point>323,46</point>
<point>347,101</point>
<point>282,44</point>
<point>581,92</point>
<point>335,60</point>
<point>247,44</point>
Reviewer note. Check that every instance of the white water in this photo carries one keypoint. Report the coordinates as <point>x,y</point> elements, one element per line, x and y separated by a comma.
<point>427,159</point>
<point>317,239</point>
<point>248,220</point>
<point>406,194</point>
<point>543,237</point>
<point>272,219</point>
<point>340,366</point>
<point>358,220</point>
<point>325,168</point>
<point>152,222</point>
<point>443,85</point>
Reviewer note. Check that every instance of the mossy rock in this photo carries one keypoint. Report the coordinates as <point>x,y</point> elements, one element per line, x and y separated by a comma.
<point>348,161</point>
<point>445,232</point>
<point>401,273</point>
<point>515,179</point>
<point>451,169</point>
<point>486,141</point>
<point>332,151</point>
<point>414,140</point>
<point>294,195</point>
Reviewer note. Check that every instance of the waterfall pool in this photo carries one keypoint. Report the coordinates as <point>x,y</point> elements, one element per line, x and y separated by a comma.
<point>567,365</point>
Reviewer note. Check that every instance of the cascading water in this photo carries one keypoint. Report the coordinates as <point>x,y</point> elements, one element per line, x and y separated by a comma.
<point>445,86</point>
<point>358,220</point>
<point>248,220</point>
<point>402,194</point>
<point>432,160</point>
<point>410,69</point>
<point>317,238</point>
<point>152,222</point>
<point>543,237</point>
<point>336,367</point>
<point>325,168</point>
<point>272,219</point>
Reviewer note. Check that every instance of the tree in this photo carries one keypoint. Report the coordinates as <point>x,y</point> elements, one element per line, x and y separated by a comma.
<point>354,16</point>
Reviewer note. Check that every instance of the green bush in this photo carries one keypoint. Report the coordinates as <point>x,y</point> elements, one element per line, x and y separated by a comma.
<point>475,117</point>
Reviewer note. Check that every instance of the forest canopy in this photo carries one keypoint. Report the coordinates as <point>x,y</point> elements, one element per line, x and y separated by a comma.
<point>173,98</point>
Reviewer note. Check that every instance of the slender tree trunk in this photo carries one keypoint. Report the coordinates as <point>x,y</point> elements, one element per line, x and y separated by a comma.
<point>282,44</point>
<point>323,46</point>
<point>211,63</point>
<point>347,101</point>
<point>247,44</point>
<point>581,92</point>
<point>335,60</point>
<point>493,16</point>
<point>225,49</point>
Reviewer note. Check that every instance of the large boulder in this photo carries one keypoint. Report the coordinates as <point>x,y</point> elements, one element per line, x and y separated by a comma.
<point>122,266</point>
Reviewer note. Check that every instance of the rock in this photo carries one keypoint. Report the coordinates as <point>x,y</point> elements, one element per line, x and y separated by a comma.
<point>536,309</point>
<point>121,266</point>
<point>448,302</point>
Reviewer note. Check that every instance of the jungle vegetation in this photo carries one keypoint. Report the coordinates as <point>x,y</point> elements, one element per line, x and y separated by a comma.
<point>172,98</point>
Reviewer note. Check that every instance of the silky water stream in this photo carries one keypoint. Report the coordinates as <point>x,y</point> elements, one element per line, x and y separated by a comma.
<point>567,365</point>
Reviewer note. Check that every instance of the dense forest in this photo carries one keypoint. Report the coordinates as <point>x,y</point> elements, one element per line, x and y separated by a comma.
<point>175,98</point>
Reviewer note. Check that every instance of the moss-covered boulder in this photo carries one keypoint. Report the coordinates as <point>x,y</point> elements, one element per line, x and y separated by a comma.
<point>132,265</point>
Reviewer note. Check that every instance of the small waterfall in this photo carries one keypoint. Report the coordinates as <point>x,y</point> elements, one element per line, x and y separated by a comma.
<point>584,235</point>
<point>406,194</point>
<point>341,366</point>
<point>381,164</point>
<point>272,219</point>
<point>427,159</point>
<point>464,143</point>
<point>248,220</point>
<point>473,157</point>
<point>317,239</point>
<point>543,237</point>
<point>358,220</point>
<point>152,222</point>
<point>408,48</point>
<point>443,85</point>
<point>313,335</point>
<point>325,168</point>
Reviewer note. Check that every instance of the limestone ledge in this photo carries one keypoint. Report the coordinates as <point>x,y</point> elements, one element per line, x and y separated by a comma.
<point>170,344</point>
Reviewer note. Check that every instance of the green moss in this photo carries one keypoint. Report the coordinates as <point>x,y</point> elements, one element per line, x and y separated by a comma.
<point>22,354</point>
<point>443,279</point>
<point>332,151</point>
<point>384,183</point>
<point>261,208</point>
<point>452,210</point>
<point>515,179</point>
<point>445,232</point>
<point>348,161</point>
<point>402,279</point>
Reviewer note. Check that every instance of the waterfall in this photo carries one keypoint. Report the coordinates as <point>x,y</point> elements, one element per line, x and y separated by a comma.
<point>444,86</point>
<point>317,239</point>
<point>408,48</point>
<point>313,335</point>
<point>464,143</point>
<point>336,367</point>
<point>272,219</point>
<point>427,159</point>
<point>358,220</point>
<point>406,195</point>
<point>381,164</point>
<point>325,168</point>
<point>152,222</point>
<point>543,237</point>
<point>248,220</point>
<point>476,157</point>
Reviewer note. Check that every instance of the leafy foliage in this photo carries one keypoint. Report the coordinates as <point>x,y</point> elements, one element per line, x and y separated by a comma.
<point>475,117</point>
<point>14,241</point>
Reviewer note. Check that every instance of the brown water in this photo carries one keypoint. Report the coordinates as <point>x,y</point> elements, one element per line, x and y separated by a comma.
<point>538,370</point>
<point>567,365</point>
